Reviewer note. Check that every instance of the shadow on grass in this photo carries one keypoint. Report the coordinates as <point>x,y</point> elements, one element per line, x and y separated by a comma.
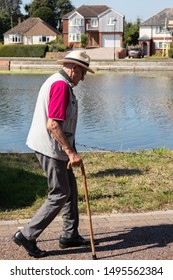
<point>114,244</point>
<point>117,172</point>
<point>20,188</point>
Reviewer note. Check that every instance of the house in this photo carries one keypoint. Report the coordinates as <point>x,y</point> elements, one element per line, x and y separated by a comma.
<point>155,34</point>
<point>102,25</point>
<point>31,31</point>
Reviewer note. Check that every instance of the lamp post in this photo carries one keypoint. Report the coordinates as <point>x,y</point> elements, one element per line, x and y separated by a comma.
<point>114,20</point>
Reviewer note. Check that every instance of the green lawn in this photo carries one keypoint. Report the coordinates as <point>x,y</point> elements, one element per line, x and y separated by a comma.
<point>117,182</point>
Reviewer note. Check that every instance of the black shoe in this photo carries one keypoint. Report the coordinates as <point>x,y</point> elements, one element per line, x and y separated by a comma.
<point>30,246</point>
<point>73,242</point>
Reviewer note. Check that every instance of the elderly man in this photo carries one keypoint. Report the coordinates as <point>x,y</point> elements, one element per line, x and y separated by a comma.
<point>52,137</point>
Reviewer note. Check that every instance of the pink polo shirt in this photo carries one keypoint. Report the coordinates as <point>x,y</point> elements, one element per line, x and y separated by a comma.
<point>58,100</point>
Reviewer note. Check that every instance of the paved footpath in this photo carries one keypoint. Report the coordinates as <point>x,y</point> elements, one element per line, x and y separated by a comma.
<point>143,236</point>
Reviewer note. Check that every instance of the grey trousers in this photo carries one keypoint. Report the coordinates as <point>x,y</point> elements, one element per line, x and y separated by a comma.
<point>62,195</point>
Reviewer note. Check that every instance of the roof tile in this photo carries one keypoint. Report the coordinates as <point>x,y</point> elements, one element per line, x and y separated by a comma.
<point>32,26</point>
<point>159,19</point>
<point>89,10</point>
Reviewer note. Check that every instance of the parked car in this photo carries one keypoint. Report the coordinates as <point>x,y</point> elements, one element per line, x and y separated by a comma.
<point>136,52</point>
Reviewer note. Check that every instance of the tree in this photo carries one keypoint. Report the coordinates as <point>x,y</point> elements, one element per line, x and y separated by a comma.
<point>4,23</point>
<point>12,9</point>
<point>63,7</point>
<point>46,14</point>
<point>131,32</point>
<point>58,8</point>
<point>12,6</point>
<point>37,4</point>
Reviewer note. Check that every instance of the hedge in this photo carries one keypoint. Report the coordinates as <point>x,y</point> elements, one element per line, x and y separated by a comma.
<point>170,53</point>
<point>23,50</point>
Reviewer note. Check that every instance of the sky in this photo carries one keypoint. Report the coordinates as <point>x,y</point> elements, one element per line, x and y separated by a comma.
<point>131,9</point>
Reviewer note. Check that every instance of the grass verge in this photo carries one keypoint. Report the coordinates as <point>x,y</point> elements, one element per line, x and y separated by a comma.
<point>117,182</point>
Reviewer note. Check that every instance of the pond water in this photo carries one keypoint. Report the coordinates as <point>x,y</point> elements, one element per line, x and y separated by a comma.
<point>117,111</point>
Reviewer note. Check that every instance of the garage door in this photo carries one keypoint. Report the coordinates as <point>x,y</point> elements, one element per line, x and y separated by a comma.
<point>108,41</point>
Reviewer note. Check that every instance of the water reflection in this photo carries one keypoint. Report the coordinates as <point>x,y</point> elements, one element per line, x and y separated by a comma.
<point>18,95</point>
<point>116,111</point>
<point>130,111</point>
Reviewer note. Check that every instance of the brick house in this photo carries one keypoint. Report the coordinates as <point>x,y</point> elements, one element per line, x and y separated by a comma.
<point>103,26</point>
<point>31,31</point>
<point>155,33</point>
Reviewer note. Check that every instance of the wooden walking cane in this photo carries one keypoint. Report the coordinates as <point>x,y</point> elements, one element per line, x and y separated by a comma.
<point>89,213</point>
<point>94,257</point>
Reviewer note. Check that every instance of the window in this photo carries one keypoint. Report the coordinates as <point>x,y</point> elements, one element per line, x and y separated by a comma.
<point>111,21</point>
<point>76,22</point>
<point>43,39</point>
<point>158,45</point>
<point>16,39</point>
<point>162,45</point>
<point>94,22</point>
<point>74,37</point>
<point>161,29</point>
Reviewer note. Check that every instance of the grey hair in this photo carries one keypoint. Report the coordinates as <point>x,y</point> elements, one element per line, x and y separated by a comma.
<point>68,65</point>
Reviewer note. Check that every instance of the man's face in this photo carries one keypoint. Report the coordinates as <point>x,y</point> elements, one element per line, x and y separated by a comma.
<point>78,74</point>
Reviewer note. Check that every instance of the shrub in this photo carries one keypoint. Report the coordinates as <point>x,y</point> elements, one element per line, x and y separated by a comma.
<point>57,48</point>
<point>84,40</point>
<point>23,50</point>
<point>57,45</point>
<point>170,53</point>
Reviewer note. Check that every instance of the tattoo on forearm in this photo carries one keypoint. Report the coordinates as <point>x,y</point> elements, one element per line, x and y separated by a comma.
<point>60,136</point>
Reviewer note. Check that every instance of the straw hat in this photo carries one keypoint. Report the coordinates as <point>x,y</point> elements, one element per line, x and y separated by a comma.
<point>77,57</point>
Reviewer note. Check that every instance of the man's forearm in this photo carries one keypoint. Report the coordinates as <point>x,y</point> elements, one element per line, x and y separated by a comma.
<point>55,128</point>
